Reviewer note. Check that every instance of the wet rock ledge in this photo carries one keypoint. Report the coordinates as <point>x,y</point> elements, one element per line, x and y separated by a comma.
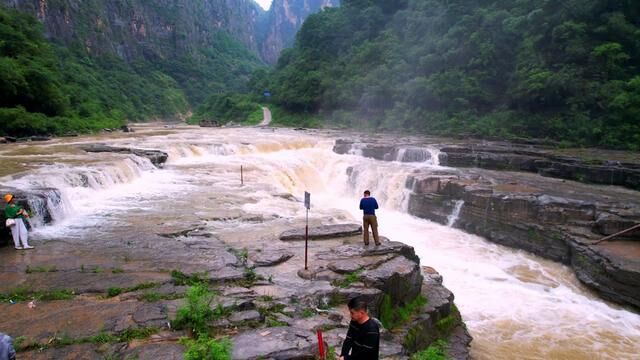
<point>591,167</point>
<point>262,305</point>
<point>157,157</point>
<point>517,196</point>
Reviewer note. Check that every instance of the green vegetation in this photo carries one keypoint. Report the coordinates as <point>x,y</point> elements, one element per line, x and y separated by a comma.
<point>117,271</point>
<point>564,71</point>
<point>307,313</point>
<point>24,294</point>
<point>50,89</point>
<point>180,278</point>
<point>205,348</point>
<point>197,312</point>
<point>227,107</point>
<point>392,317</point>
<point>195,316</point>
<point>436,351</point>
<point>115,291</point>
<point>40,269</point>
<point>446,324</point>
<point>103,337</point>
<point>349,279</point>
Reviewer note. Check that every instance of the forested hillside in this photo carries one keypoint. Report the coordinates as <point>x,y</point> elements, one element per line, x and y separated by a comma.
<point>47,87</point>
<point>562,70</point>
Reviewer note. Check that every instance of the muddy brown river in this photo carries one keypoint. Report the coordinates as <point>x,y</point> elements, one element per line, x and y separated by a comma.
<point>516,305</point>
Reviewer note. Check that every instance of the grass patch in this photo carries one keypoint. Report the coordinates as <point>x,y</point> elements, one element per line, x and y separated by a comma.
<point>446,324</point>
<point>117,271</point>
<point>180,278</point>
<point>115,291</point>
<point>436,351</point>
<point>331,353</point>
<point>206,348</point>
<point>307,313</point>
<point>24,294</point>
<point>271,321</point>
<point>40,269</point>
<point>127,335</point>
<point>197,312</point>
<point>393,317</point>
<point>254,118</point>
<point>349,279</point>
<point>281,117</point>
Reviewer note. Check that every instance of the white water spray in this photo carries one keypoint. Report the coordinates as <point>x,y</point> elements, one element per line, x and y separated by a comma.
<point>455,214</point>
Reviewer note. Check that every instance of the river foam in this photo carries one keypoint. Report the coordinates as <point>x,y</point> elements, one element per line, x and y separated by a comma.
<point>516,305</point>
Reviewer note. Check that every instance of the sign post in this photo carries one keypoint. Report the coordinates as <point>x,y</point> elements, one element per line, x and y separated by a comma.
<point>307,204</point>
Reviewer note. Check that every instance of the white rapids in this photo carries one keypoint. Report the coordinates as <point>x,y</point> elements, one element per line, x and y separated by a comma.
<point>516,305</point>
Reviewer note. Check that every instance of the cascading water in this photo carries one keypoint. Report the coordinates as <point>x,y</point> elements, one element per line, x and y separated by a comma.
<point>515,305</point>
<point>412,154</point>
<point>455,214</point>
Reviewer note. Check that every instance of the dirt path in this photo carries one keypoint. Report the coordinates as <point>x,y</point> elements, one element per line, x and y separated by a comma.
<point>266,119</point>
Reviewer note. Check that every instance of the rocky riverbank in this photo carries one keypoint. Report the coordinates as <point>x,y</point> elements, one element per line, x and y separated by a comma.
<point>103,299</point>
<point>542,213</point>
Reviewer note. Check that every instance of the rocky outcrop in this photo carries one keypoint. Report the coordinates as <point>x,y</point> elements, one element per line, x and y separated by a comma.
<point>157,157</point>
<point>526,213</point>
<point>322,232</point>
<point>591,168</point>
<point>275,343</point>
<point>595,170</point>
<point>38,201</point>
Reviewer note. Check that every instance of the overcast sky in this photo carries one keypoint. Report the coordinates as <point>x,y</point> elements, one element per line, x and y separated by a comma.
<point>264,3</point>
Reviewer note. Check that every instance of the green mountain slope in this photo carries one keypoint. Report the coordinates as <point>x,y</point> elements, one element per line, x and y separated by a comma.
<point>563,70</point>
<point>50,88</point>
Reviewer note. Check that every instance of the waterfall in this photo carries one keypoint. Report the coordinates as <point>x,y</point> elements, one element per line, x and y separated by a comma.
<point>453,217</point>
<point>52,190</point>
<point>428,155</point>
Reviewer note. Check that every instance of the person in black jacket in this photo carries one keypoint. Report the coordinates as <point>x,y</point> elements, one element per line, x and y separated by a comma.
<point>363,337</point>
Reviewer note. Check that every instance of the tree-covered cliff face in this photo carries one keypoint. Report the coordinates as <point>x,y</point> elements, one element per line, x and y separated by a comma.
<point>135,29</point>
<point>564,70</point>
<point>194,42</point>
<point>283,22</point>
<point>107,62</point>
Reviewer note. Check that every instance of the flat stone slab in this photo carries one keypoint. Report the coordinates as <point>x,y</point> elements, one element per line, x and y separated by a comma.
<point>249,315</point>
<point>275,343</point>
<point>270,258</point>
<point>156,157</point>
<point>323,232</point>
<point>75,352</point>
<point>166,351</point>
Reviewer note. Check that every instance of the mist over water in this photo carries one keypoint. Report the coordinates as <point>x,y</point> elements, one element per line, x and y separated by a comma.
<point>515,305</point>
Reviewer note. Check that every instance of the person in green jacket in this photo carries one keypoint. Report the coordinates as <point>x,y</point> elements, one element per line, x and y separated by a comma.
<point>18,230</point>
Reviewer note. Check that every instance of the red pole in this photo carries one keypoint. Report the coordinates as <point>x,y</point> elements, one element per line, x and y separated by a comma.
<point>321,345</point>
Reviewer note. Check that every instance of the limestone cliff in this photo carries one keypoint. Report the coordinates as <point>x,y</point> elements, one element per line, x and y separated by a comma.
<point>167,28</point>
<point>284,20</point>
<point>143,29</point>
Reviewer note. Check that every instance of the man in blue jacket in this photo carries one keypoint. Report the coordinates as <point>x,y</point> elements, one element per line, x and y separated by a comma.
<point>368,205</point>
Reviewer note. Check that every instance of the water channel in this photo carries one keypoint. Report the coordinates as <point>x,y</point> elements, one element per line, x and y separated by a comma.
<point>515,305</point>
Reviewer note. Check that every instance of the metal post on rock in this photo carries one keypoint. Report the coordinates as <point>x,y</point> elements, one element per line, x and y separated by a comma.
<point>241,176</point>
<point>307,204</point>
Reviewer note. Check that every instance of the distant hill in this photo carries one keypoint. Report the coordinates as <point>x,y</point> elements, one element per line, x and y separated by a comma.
<point>562,70</point>
<point>73,65</point>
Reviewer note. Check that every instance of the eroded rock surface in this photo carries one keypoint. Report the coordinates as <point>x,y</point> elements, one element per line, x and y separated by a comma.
<point>156,157</point>
<point>322,232</point>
